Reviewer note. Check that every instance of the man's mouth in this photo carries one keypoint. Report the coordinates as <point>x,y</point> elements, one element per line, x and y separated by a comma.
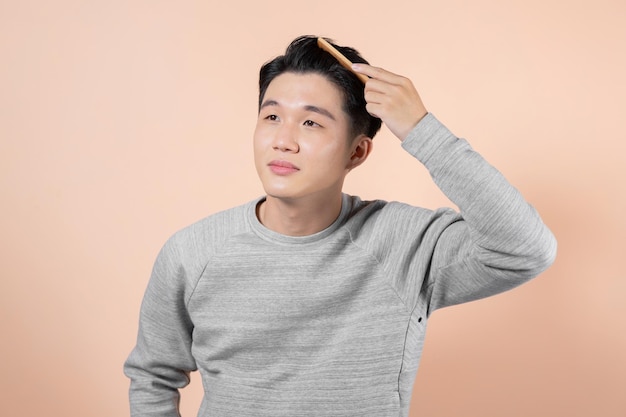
<point>282,167</point>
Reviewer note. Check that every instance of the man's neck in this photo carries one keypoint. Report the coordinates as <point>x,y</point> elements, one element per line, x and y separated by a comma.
<point>298,217</point>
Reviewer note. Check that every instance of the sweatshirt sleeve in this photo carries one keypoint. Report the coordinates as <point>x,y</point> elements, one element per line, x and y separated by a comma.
<point>161,361</point>
<point>498,242</point>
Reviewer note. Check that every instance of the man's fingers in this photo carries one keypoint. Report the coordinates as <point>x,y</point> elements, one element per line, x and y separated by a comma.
<point>375,97</point>
<point>392,98</point>
<point>372,109</point>
<point>377,73</point>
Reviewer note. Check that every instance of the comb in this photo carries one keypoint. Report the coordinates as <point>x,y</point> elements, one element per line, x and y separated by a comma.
<point>345,62</point>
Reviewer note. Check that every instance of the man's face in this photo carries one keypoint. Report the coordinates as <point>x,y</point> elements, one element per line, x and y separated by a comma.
<point>301,144</point>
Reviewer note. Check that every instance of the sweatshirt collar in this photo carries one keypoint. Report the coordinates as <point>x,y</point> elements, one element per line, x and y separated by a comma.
<point>276,237</point>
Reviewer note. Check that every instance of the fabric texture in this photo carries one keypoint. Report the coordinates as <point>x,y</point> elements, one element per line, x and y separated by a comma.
<point>330,324</point>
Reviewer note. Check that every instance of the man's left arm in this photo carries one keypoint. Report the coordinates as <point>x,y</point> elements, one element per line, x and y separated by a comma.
<point>501,240</point>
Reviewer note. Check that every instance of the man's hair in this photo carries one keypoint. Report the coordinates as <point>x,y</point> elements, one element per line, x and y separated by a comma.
<point>304,56</point>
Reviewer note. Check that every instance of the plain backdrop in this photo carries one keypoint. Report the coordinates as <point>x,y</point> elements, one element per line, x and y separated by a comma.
<point>124,121</point>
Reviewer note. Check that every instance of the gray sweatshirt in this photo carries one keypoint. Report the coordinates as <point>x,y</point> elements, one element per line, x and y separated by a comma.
<point>330,324</point>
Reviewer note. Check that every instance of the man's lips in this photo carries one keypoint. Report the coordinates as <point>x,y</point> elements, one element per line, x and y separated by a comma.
<point>282,167</point>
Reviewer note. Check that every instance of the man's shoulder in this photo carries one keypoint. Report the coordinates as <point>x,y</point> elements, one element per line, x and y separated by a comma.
<point>393,217</point>
<point>368,210</point>
<point>213,230</point>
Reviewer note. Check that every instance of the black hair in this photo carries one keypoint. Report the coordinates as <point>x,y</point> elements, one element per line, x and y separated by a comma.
<point>302,56</point>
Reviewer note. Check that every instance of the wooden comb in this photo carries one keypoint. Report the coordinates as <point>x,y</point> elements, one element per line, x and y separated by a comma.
<point>345,62</point>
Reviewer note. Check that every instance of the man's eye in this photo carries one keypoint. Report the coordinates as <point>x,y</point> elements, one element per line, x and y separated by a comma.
<point>272,117</point>
<point>310,123</point>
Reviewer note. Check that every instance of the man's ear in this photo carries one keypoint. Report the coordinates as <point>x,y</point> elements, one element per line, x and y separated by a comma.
<point>361,148</point>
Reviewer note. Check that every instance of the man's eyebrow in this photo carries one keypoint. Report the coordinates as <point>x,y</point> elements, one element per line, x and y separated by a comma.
<point>308,107</point>
<point>320,110</point>
<point>268,103</point>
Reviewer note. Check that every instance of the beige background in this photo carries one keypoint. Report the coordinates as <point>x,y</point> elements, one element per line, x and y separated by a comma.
<point>123,121</point>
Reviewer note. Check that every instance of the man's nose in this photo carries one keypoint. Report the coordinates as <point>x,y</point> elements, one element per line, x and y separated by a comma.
<point>286,138</point>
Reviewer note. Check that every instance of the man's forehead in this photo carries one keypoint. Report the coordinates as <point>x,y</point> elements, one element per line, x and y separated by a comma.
<point>305,89</point>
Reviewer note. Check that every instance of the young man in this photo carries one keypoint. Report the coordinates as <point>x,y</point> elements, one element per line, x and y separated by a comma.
<point>311,302</point>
